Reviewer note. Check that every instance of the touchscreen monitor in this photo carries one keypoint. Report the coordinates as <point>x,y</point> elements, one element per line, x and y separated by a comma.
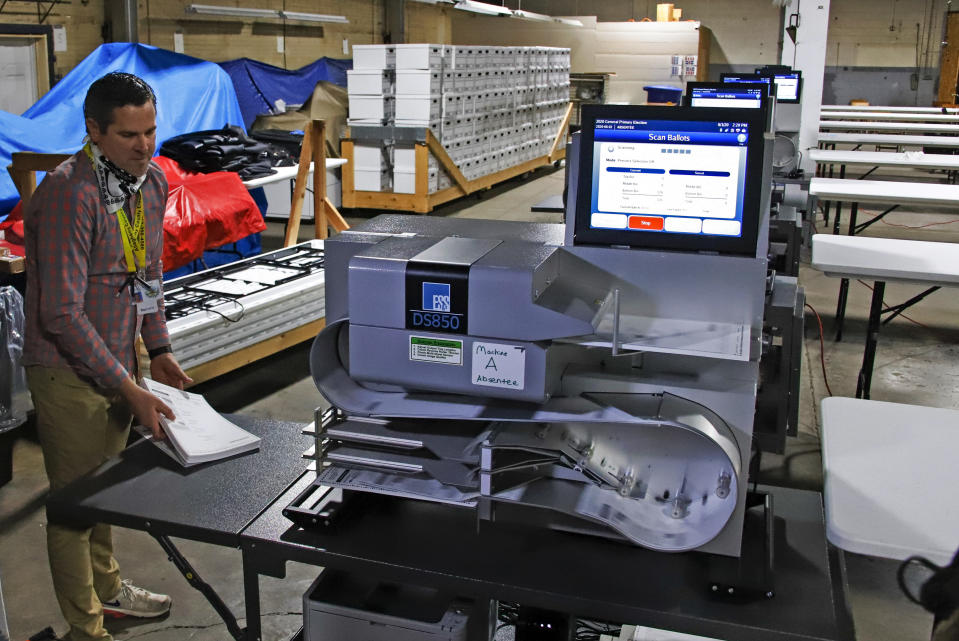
<point>680,178</point>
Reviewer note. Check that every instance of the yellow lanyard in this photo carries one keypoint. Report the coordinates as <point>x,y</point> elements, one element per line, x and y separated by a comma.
<point>134,235</point>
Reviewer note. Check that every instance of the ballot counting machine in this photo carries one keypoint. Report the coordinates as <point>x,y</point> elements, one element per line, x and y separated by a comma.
<point>600,374</point>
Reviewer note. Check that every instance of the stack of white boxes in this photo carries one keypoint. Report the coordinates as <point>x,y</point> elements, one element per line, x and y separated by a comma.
<point>491,108</point>
<point>370,87</point>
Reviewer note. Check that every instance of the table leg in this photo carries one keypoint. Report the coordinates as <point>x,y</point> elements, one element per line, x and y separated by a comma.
<point>835,226</point>
<point>195,580</point>
<point>841,307</point>
<point>844,283</point>
<point>872,338</point>
<point>251,598</point>
<point>853,214</point>
<point>837,217</point>
<point>828,204</point>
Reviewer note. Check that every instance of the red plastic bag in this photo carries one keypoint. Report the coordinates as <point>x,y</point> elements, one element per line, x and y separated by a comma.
<point>204,211</point>
<point>12,228</point>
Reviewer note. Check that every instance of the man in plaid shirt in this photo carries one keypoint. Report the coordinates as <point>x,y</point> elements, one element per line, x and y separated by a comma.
<point>94,237</point>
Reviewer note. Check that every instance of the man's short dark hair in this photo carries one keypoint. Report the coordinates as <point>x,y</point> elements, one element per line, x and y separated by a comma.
<point>116,89</point>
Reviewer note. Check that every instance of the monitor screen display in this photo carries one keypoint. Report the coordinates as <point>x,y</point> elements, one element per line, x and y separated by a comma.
<point>787,86</point>
<point>744,78</point>
<point>745,98</point>
<point>655,180</point>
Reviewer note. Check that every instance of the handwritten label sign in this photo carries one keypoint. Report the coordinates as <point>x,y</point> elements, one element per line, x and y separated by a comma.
<point>497,365</point>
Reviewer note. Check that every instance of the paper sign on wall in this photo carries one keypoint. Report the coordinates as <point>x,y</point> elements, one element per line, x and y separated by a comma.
<point>59,38</point>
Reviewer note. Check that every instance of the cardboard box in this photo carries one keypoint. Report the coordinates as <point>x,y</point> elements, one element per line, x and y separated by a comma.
<point>369,82</point>
<point>370,108</point>
<point>420,56</point>
<point>374,56</point>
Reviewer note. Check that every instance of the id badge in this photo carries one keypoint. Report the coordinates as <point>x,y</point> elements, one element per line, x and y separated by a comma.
<point>146,296</point>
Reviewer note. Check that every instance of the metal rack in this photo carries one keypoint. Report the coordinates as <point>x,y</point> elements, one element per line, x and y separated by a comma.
<point>199,292</point>
<point>226,317</point>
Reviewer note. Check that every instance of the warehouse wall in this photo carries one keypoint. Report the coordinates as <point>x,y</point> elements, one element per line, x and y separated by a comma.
<point>82,22</point>
<point>871,50</point>
<point>224,38</point>
<point>872,43</point>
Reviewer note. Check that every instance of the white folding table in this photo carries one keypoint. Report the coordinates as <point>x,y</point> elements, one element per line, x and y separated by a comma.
<point>882,260</point>
<point>890,478</point>
<point>281,199</point>
<point>880,191</point>
<point>897,116</point>
<point>868,108</point>
<point>876,159</point>
<point>905,160</point>
<point>885,191</point>
<point>289,173</point>
<point>898,140</point>
<point>899,127</point>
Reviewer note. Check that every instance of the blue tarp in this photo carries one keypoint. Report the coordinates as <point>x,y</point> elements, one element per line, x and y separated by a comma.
<point>192,95</point>
<point>259,85</point>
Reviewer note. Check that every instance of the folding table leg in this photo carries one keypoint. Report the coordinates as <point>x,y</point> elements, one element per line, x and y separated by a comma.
<point>194,579</point>
<point>844,283</point>
<point>837,217</point>
<point>835,225</point>
<point>872,339</point>
<point>841,307</point>
<point>251,598</point>
<point>853,216</point>
<point>828,204</point>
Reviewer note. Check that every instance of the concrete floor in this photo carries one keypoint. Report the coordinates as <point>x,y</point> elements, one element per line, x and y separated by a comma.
<point>918,362</point>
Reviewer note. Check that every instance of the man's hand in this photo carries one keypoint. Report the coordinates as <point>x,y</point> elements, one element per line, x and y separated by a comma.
<point>147,408</point>
<point>164,369</point>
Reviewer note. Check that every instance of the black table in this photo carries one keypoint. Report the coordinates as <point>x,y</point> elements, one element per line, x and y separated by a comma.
<point>439,546</point>
<point>241,502</point>
<point>144,489</point>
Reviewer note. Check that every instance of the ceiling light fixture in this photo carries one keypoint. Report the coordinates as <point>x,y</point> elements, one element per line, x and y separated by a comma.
<point>483,8</point>
<point>312,17</point>
<point>529,15</point>
<point>570,22</point>
<point>250,12</point>
<point>239,12</point>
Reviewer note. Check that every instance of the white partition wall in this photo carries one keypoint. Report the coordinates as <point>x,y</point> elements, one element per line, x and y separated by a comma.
<point>807,53</point>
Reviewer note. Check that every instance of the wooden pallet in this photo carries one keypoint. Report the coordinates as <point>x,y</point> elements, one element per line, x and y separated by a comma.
<point>423,202</point>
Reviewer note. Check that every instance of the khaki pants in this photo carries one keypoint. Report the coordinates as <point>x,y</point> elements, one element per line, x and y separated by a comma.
<point>79,428</point>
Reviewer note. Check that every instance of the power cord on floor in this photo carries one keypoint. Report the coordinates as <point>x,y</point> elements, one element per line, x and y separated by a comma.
<point>822,349</point>
<point>946,222</point>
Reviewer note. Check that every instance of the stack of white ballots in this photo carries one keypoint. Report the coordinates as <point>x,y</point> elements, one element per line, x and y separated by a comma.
<point>199,434</point>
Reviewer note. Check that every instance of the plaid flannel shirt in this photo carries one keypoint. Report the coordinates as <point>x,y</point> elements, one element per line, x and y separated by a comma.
<point>75,317</point>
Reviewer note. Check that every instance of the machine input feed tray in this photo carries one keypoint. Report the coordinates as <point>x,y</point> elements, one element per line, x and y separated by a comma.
<point>710,339</point>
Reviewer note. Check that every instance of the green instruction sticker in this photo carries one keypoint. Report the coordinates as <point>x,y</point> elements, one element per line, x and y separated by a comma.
<point>436,350</point>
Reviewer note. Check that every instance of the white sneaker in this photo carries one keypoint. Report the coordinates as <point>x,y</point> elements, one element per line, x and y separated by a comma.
<point>136,602</point>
